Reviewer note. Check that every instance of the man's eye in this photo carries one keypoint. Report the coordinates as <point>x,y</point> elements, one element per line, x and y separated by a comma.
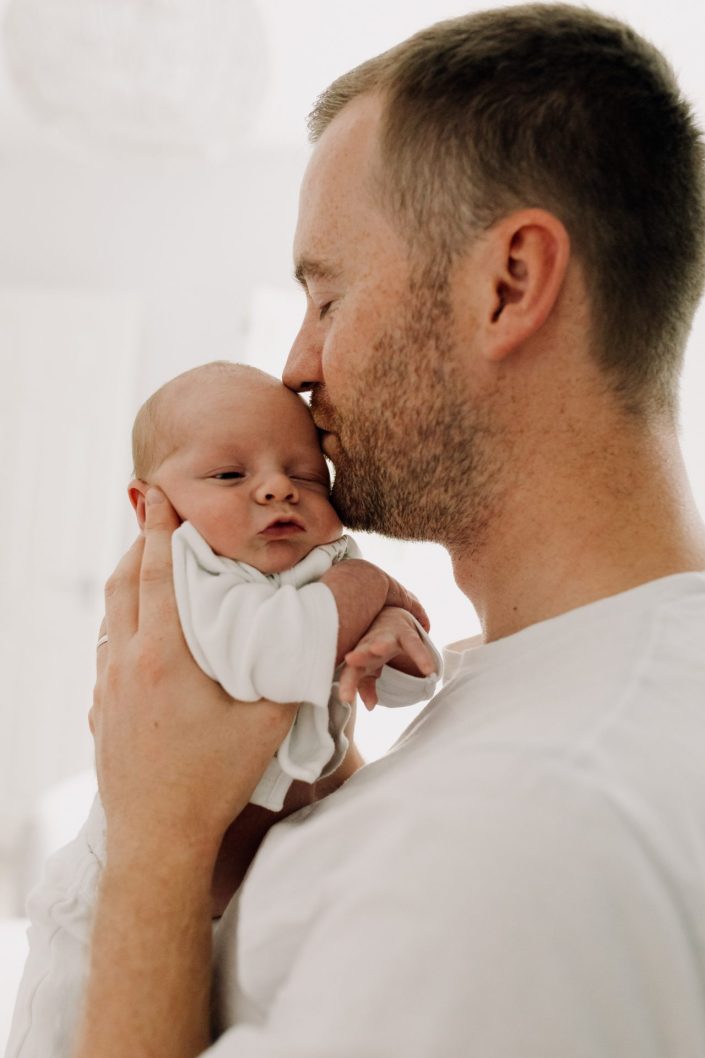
<point>228,475</point>
<point>324,310</point>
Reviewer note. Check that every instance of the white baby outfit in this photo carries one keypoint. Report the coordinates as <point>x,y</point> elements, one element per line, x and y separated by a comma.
<point>275,636</point>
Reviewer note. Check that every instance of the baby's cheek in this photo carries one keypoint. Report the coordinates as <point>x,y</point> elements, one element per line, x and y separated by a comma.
<point>332,525</point>
<point>224,533</point>
<point>324,525</point>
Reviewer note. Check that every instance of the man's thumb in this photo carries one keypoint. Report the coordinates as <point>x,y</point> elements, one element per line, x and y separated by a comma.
<point>158,512</point>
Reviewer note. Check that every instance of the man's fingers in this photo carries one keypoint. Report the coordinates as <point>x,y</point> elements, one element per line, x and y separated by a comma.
<point>414,607</point>
<point>399,596</point>
<point>157,602</point>
<point>102,648</point>
<point>121,597</point>
<point>420,614</point>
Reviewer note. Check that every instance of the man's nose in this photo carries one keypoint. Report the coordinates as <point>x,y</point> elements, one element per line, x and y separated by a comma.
<point>302,370</point>
<point>276,488</point>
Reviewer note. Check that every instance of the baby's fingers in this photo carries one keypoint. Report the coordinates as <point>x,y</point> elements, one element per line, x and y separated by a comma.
<point>360,680</point>
<point>348,683</point>
<point>373,651</point>
<point>368,692</point>
<point>414,647</point>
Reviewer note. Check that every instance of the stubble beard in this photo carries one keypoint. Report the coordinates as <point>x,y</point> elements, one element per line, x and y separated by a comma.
<point>415,459</point>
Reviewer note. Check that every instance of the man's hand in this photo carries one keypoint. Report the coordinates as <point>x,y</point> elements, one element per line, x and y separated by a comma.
<point>177,759</point>
<point>393,638</point>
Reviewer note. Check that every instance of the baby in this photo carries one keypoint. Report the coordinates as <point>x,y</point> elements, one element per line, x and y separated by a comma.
<point>237,455</point>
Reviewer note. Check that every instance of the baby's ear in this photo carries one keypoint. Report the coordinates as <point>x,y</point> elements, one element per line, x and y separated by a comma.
<point>136,490</point>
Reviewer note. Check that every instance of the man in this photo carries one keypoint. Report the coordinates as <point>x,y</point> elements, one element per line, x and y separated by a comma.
<point>500,241</point>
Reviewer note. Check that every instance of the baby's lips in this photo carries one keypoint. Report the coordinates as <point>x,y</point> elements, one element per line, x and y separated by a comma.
<point>285,519</point>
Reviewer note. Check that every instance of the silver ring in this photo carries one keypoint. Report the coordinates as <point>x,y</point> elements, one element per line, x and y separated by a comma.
<point>103,639</point>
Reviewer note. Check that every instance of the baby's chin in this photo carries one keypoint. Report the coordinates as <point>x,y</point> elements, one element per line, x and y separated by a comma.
<point>281,555</point>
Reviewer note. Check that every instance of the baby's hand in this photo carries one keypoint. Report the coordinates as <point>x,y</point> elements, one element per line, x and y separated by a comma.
<point>392,638</point>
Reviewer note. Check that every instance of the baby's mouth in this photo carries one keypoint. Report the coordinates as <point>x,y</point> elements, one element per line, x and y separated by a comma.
<point>285,525</point>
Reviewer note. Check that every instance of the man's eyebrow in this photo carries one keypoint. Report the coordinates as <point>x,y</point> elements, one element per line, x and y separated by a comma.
<point>309,268</point>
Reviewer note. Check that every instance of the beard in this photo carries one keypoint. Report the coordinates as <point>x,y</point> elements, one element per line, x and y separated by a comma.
<point>414,458</point>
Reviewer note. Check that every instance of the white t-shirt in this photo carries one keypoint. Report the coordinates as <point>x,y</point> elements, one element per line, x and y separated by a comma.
<point>522,876</point>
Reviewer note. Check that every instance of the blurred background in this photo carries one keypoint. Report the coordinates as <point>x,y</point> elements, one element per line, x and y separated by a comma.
<point>150,157</point>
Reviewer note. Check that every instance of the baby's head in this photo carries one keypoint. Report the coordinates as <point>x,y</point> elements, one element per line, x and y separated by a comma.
<point>237,455</point>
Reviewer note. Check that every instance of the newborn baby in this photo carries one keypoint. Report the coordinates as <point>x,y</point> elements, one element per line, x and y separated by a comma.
<point>237,455</point>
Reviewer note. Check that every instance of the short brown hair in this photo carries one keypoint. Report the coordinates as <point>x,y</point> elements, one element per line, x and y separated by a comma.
<point>558,107</point>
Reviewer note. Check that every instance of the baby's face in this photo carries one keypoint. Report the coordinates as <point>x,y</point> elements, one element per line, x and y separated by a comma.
<point>248,472</point>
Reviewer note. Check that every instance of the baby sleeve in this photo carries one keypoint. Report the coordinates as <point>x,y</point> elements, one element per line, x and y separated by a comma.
<point>267,637</point>
<point>257,637</point>
<point>395,688</point>
<point>275,636</point>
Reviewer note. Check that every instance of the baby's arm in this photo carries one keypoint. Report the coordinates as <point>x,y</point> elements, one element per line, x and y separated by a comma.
<point>282,642</point>
<point>393,639</point>
<point>361,592</point>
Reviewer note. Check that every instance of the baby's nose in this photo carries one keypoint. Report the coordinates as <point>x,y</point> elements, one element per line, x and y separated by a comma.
<point>277,488</point>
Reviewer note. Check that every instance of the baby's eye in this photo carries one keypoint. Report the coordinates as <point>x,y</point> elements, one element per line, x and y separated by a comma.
<point>309,479</point>
<point>228,475</point>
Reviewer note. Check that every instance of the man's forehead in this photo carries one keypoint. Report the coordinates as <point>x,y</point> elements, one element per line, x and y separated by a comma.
<point>347,147</point>
<point>338,181</point>
<point>356,122</point>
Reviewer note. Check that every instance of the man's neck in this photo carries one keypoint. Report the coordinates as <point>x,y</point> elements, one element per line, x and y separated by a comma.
<point>571,535</point>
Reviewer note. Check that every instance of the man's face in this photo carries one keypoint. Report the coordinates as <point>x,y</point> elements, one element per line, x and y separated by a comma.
<point>248,472</point>
<point>381,352</point>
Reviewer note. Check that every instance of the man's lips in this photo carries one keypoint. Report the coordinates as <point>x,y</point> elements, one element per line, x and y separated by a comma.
<point>284,525</point>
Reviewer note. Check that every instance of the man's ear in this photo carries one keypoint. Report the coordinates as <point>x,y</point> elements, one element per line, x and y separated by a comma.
<point>526,257</point>
<point>137,490</point>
